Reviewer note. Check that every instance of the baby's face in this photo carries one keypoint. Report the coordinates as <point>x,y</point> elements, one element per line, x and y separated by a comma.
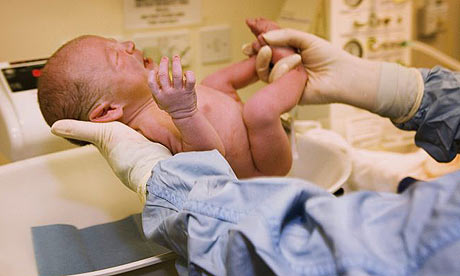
<point>125,68</point>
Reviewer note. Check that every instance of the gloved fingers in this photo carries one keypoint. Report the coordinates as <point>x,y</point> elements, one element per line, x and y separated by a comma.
<point>283,66</point>
<point>289,37</point>
<point>130,155</point>
<point>85,131</point>
<point>177,73</point>
<point>281,70</point>
<point>99,134</point>
<point>263,63</point>
<point>163,74</point>
<point>190,80</point>
<point>248,50</point>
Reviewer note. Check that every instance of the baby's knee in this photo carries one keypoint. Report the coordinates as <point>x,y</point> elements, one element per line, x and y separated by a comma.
<point>257,115</point>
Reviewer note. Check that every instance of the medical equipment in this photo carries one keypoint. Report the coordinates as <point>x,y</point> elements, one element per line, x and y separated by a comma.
<point>372,29</point>
<point>443,59</point>
<point>23,131</point>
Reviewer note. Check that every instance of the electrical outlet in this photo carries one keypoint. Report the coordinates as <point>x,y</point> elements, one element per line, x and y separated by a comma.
<point>215,44</point>
<point>167,44</point>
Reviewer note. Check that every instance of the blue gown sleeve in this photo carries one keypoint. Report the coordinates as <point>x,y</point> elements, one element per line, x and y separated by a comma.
<point>220,225</point>
<point>438,119</point>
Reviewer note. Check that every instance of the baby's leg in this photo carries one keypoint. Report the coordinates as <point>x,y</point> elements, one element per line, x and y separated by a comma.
<point>270,146</point>
<point>260,26</point>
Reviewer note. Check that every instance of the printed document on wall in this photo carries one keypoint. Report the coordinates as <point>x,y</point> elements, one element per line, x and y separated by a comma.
<point>141,14</point>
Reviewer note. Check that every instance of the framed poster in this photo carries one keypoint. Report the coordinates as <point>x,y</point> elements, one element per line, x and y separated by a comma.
<point>141,14</point>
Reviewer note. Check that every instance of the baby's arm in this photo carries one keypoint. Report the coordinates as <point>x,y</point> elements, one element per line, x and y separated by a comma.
<point>233,77</point>
<point>179,100</point>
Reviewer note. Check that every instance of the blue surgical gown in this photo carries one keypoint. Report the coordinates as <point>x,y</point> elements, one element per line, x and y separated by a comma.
<point>437,121</point>
<point>220,225</point>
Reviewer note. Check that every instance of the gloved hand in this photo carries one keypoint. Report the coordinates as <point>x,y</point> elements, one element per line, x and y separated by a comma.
<point>281,67</point>
<point>130,155</point>
<point>334,76</point>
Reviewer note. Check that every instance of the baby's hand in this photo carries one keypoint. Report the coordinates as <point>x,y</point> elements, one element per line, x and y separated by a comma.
<point>178,97</point>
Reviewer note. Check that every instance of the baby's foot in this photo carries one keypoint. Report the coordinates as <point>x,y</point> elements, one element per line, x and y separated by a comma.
<point>260,26</point>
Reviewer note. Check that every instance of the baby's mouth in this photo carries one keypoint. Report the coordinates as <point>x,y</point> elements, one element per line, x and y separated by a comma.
<point>148,63</point>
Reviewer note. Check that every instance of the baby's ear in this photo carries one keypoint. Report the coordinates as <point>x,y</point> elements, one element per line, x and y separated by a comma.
<point>106,112</point>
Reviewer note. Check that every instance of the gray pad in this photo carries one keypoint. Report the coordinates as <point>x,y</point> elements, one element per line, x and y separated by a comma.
<point>62,249</point>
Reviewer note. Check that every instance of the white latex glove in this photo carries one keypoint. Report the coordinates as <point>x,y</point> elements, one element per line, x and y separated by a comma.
<point>283,65</point>
<point>263,59</point>
<point>130,155</point>
<point>334,76</point>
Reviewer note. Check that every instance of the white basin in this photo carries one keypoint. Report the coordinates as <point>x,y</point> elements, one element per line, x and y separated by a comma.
<point>321,157</point>
<point>74,187</point>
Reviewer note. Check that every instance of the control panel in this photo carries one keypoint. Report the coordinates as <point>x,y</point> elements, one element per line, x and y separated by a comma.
<point>23,130</point>
<point>22,76</point>
<point>373,29</point>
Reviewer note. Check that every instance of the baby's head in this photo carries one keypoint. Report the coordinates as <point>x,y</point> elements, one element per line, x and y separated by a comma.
<point>93,78</point>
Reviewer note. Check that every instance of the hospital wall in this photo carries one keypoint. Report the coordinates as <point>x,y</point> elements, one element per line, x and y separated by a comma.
<point>447,40</point>
<point>35,29</point>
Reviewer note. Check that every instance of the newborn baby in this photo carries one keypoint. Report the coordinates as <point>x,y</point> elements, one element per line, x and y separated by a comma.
<point>102,80</point>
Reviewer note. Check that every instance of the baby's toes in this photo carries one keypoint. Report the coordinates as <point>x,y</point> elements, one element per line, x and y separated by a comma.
<point>264,25</point>
<point>251,22</point>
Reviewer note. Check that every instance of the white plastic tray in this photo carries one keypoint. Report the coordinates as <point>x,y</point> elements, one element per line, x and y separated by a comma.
<point>74,187</point>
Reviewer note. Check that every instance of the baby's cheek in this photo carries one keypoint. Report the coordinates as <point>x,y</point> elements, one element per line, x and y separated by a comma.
<point>281,52</point>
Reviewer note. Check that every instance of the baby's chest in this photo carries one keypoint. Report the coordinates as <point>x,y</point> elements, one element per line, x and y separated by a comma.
<point>224,113</point>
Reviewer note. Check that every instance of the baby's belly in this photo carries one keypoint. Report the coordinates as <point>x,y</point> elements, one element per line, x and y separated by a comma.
<point>226,116</point>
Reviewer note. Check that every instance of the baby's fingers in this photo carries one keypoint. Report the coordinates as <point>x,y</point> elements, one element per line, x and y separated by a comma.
<point>153,84</point>
<point>189,80</point>
<point>163,73</point>
<point>177,72</point>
